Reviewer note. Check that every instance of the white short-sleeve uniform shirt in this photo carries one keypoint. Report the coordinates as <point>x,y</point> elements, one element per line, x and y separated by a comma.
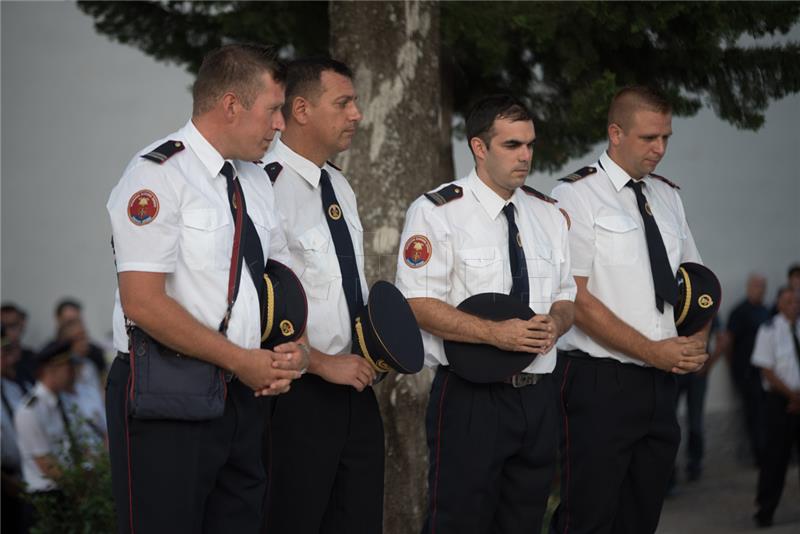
<point>302,217</point>
<point>189,232</point>
<point>462,250</point>
<point>774,349</point>
<point>41,432</point>
<point>608,245</point>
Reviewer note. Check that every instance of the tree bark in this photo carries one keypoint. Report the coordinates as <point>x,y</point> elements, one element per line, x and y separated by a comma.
<point>393,50</point>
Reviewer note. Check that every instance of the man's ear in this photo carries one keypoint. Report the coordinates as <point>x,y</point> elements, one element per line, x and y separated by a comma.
<point>300,108</point>
<point>230,104</point>
<point>615,133</point>
<point>478,147</point>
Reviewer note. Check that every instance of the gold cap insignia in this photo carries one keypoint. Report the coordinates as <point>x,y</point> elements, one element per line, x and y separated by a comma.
<point>705,301</point>
<point>287,328</point>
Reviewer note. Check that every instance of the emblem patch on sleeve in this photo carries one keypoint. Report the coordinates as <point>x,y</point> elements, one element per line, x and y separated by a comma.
<point>417,251</point>
<point>143,207</point>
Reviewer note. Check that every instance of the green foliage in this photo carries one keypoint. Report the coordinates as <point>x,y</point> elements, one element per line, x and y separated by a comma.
<point>183,32</point>
<point>86,506</point>
<point>570,58</point>
<point>566,58</point>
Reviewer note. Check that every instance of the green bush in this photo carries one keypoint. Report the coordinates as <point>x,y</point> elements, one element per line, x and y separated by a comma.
<point>86,505</point>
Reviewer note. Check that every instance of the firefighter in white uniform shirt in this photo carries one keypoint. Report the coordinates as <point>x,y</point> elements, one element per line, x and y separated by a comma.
<point>492,446</point>
<point>47,430</point>
<point>175,247</point>
<point>326,435</point>
<point>628,236</point>
<point>777,353</point>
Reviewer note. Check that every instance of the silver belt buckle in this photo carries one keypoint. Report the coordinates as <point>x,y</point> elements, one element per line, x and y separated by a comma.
<point>524,379</point>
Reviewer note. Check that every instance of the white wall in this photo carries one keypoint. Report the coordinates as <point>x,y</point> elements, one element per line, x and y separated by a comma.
<point>76,106</point>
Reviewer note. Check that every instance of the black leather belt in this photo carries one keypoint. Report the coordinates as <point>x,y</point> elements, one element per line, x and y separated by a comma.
<point>579,354</point>
<point>599,360</point>
<point>520,380</point>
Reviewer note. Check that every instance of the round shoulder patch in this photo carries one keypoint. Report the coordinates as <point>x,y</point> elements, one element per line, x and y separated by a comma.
<point>143,207</point>
<point>417,251</point>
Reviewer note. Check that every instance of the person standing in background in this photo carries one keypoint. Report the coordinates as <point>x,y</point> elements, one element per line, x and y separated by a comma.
<point>743,323</point>
<point>777,355</point>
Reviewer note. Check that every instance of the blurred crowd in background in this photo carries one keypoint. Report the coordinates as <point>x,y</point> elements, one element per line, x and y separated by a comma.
<point>68,370</point>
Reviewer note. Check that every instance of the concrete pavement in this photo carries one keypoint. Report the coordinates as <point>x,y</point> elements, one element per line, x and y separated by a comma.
<point>722,502</point>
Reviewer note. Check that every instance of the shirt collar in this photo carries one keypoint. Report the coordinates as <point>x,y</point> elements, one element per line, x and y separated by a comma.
<point>491,201</point>
<point>779,317</point>
<point>615,173</point>
<point>205,151</point>
<point>302,166</point>
<point>45,395</point>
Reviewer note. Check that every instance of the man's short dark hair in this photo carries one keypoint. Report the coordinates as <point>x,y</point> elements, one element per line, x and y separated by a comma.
<point>10,307</point>
<point>304,78</point>
<point>480,119</point>
<point>793,270</point>
<point>236,68</point>
<point>781,291</point>
<point>62,304</point>
<point>633,98</point>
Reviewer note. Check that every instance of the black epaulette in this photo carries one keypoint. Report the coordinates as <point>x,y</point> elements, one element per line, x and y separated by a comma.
<point>329,162</point>
<point>273,170</point>
<point>566,217</point>
<point>666,181</point>
<point>538,194</point>
<point>445,194</point>
<point>164,152</point>
<point>580,174</point>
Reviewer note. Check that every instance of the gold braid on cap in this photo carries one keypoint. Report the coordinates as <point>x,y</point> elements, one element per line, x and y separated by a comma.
<point>687,300</point>
<point>270,308</point>
<point>380,365</point>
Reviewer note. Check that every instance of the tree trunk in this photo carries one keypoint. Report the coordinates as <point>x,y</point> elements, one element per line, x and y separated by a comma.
<point>393,49</point>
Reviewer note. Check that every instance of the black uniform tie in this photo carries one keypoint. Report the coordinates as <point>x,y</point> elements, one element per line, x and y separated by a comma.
<point>343,244</point>
<point>520,287</point>
<point>793,328</point>
<point>74,448</point>
<point>666,287</point>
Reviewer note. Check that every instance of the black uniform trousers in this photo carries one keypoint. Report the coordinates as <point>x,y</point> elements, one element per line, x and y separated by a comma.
<point>492,455</point>
<point>783,432</point>
<point>619,441</point>
<point>190,477</point>
<point>324,448</point>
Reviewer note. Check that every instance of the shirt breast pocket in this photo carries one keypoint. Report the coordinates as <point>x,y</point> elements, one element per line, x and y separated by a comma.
<point>205,233</point>
<point>356,235</point>
<point>617,240</point>
<point>483,270</point>
<point>263,224</point>
<point>321,268</point>
<point>673,243</point>
<point>542,272</point>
